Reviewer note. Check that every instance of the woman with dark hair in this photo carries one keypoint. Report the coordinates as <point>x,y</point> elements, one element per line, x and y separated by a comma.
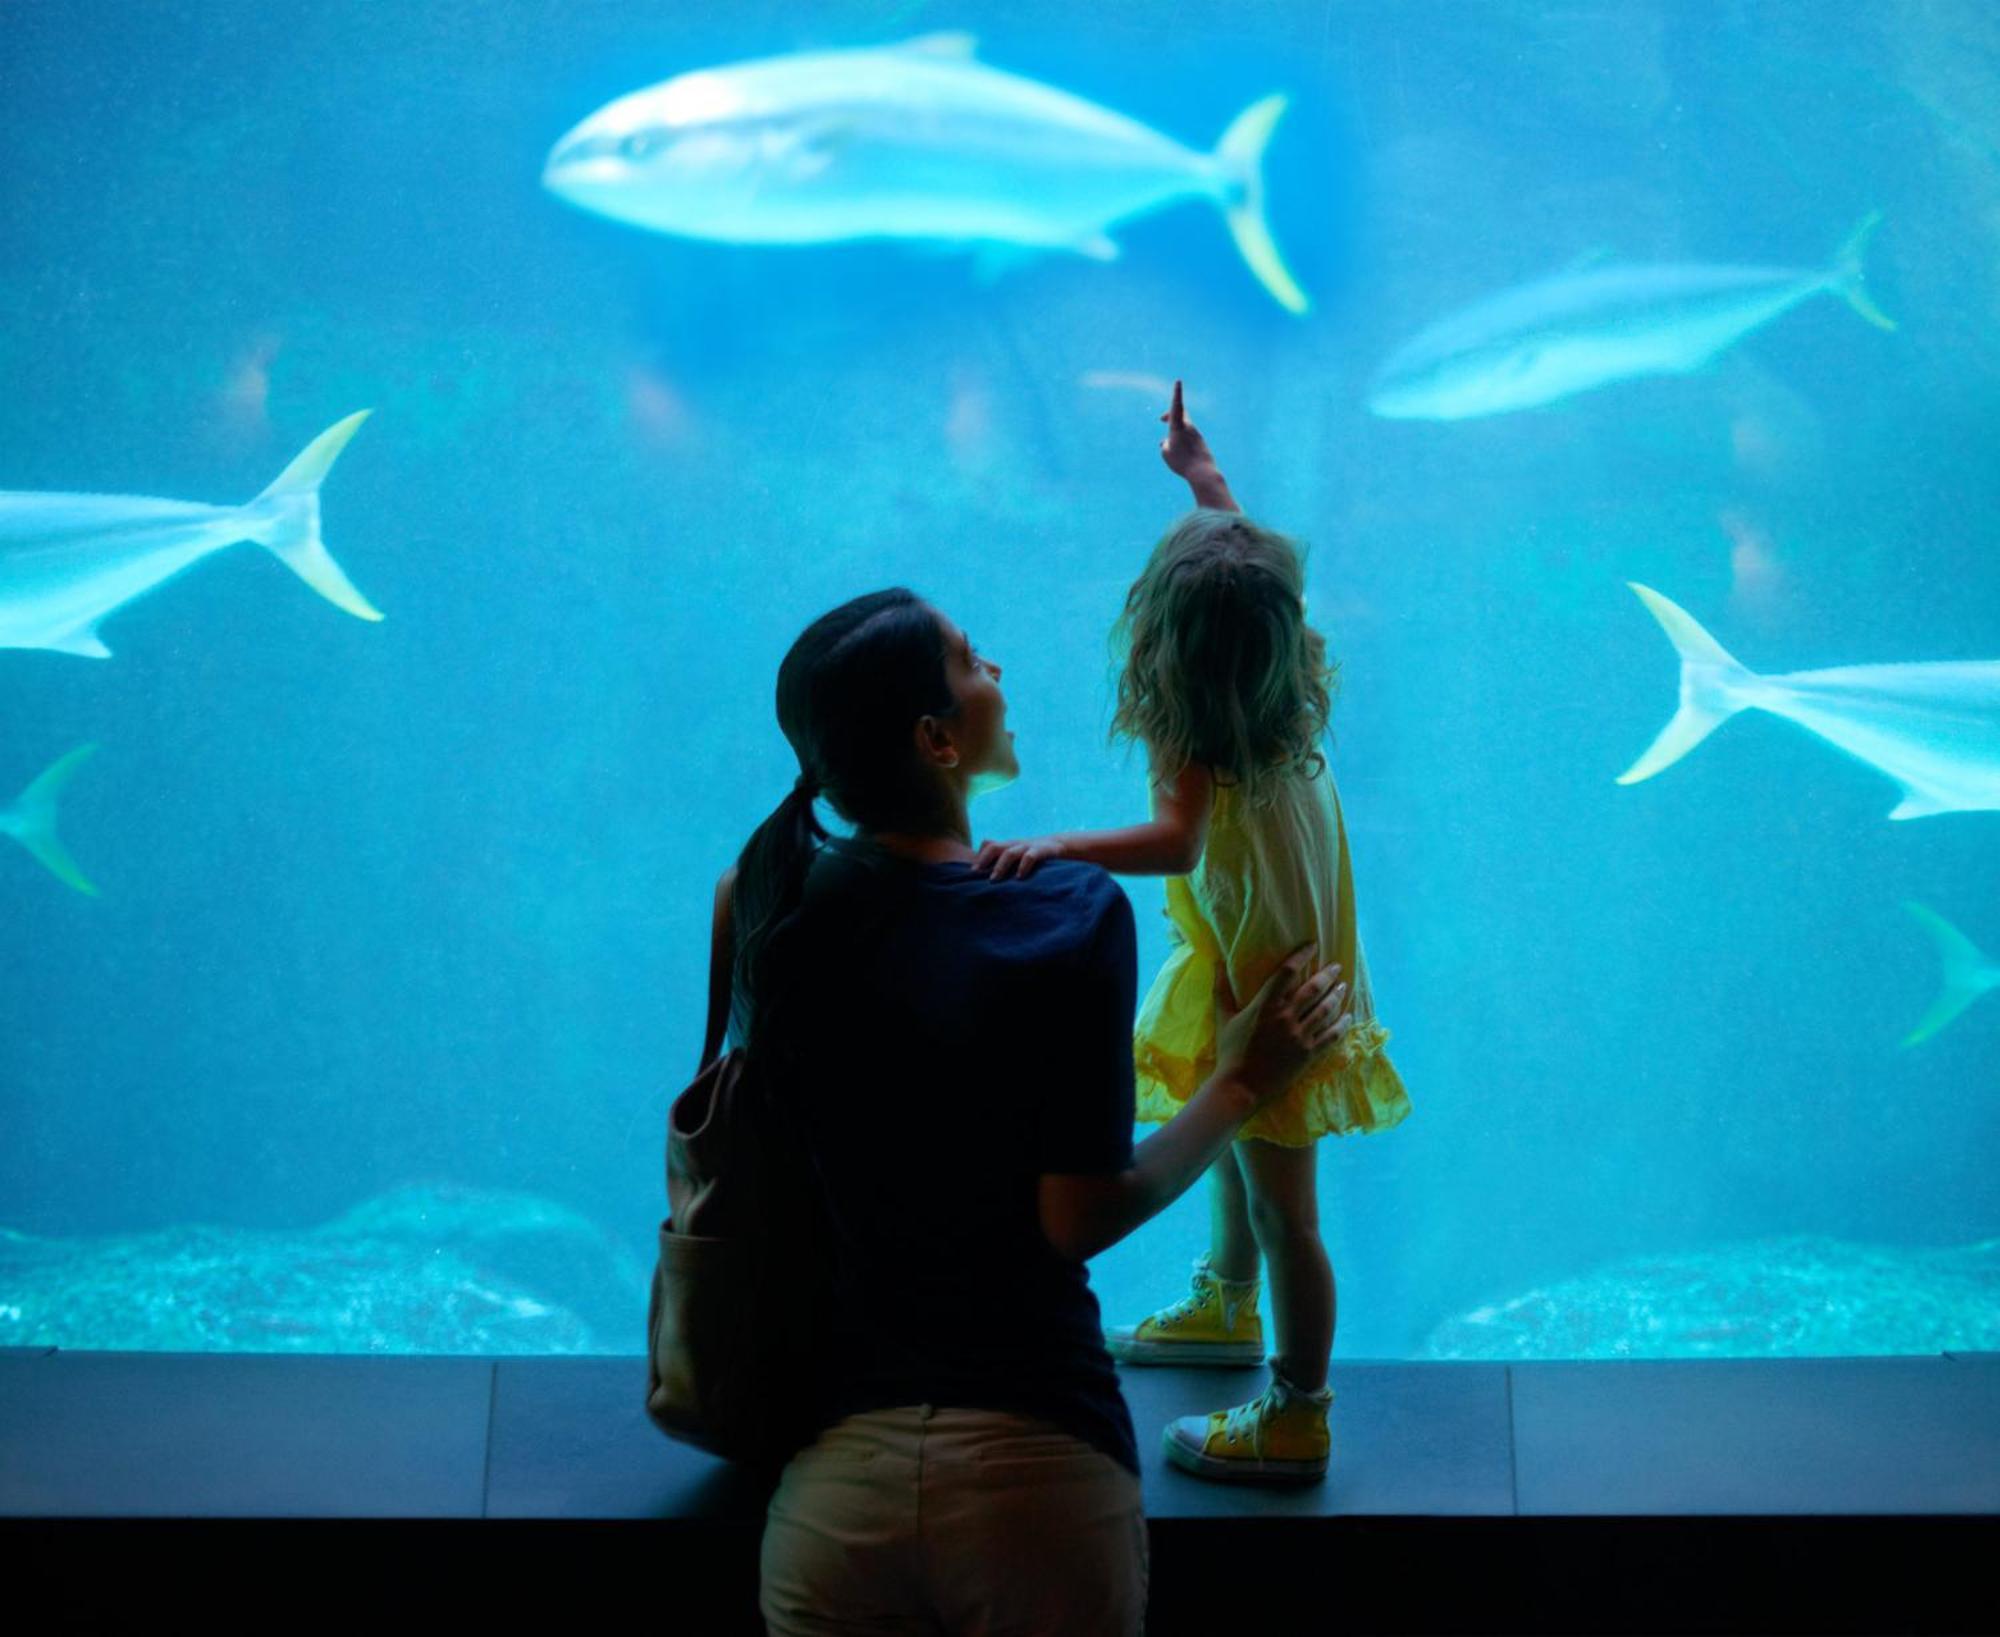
<point>958,1052</point>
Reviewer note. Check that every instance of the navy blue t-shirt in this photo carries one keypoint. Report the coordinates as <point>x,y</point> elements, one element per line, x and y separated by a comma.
<point>957,1037</point>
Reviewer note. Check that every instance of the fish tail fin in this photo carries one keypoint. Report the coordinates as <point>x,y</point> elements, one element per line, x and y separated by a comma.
<point>289,525</point>
<point>1964,980</point>
<point>1714,687</point>
<point>1849,278</point>
<point>1241,155</point>
<point>35,820</point>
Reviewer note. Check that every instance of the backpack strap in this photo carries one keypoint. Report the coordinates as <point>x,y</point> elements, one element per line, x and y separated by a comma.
<point>721,965</point>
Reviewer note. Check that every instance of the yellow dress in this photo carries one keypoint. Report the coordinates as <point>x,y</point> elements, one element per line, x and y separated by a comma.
<point>1269,879</point>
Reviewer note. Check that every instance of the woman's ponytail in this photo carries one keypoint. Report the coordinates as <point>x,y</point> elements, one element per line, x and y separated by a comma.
<point>850,691</point>
<point>770,884</point>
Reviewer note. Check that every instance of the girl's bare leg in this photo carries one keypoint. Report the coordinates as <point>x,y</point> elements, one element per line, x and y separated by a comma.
<point>1284,1215</point>
<point>1232,1245</point>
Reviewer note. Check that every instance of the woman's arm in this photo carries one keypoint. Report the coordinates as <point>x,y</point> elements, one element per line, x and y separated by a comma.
<point>1298,1013</point>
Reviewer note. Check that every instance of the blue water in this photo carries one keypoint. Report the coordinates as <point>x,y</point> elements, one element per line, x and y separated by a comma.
<point>401,940</point>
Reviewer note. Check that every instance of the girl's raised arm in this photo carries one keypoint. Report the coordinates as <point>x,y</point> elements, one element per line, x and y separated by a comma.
<point>1186,452</point>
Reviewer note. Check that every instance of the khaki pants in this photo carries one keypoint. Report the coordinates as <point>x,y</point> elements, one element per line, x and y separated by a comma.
<point>972,1523</point>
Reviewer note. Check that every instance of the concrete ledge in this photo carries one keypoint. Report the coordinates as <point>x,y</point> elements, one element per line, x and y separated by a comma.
<point>1771,1495</point>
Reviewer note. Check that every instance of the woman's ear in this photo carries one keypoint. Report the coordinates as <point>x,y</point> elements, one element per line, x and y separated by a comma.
<point>934,742</point>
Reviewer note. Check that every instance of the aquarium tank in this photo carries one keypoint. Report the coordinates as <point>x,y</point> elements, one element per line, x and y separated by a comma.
<point>427,427</point>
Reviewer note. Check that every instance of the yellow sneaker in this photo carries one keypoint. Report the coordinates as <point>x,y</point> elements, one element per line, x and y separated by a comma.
<point>1215,1323</point>
<point>1279,1438</point>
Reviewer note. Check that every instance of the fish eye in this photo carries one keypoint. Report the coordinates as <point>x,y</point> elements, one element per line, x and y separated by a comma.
<point>640,145</point>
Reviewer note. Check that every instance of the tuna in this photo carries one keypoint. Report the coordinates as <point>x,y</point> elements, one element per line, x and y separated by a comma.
<point>917,141</point>
<point>1932,727</point>
<point>1590,326</point>
<point>68,561</point>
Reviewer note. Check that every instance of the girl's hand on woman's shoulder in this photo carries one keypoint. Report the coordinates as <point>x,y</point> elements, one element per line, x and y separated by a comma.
<point>1001,859</point>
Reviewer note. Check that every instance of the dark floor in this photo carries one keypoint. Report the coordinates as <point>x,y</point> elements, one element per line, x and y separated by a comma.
<point>1751,1495</point>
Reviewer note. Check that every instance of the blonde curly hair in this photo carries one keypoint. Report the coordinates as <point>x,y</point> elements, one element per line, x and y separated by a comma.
<point>1218,663</point>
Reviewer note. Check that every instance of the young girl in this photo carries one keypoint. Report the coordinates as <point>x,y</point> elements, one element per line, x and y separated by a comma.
<point>1227,686</point>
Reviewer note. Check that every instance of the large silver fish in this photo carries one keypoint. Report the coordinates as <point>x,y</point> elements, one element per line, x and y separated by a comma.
<point>1587,327</point>
<point>1934,728</point>
<point>31,819</point>
<point>916,141</point>
<point>67,561</point>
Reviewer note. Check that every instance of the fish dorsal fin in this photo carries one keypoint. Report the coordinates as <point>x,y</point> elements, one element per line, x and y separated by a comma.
<point>1919,803</point>
<point>959,46</point>
<point>84,642</point>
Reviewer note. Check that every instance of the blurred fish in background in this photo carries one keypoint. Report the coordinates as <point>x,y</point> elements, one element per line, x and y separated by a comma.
<point>30,818</point>
<point>1968,974</point>
<point>1756,574</point>
<point>245,398</point>
<point>1590,326</point>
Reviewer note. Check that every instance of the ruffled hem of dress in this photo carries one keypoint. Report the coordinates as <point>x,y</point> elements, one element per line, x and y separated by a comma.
<point>1356,1091</point>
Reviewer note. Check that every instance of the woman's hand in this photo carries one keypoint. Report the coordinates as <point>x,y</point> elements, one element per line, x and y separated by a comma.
<point>1186,453</point>
<point>1001,859</point>
<point>1294,1017</point>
